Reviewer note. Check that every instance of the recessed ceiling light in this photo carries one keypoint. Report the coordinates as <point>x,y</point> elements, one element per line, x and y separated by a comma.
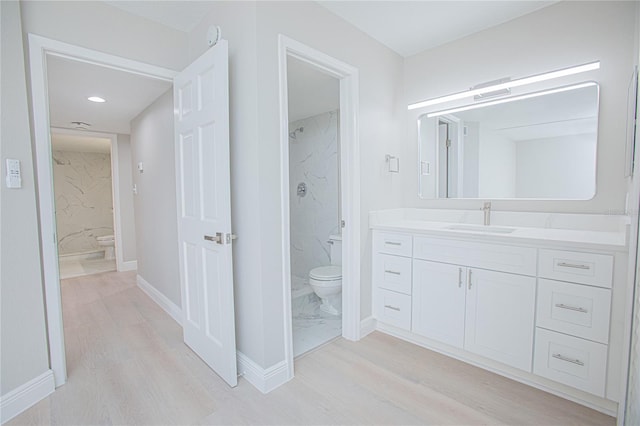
<point>96,99</point>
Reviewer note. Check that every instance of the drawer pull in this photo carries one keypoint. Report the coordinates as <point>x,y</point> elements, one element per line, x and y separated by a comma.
<point>564,358</point>
<point>573,265</point>
<point>571,308</point>
<point>395,308</point>
<point>386,271</point>
<point>392,243</point>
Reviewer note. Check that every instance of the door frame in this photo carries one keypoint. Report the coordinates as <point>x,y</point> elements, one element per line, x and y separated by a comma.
<point>39,48</point>
<point>349,185</point>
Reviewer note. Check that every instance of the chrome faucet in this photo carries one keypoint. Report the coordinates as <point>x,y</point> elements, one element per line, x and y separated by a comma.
<point>486,208</point>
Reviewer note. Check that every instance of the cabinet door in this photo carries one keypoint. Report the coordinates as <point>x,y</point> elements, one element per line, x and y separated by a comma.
<point>500,317</point>
<point>438,301</point>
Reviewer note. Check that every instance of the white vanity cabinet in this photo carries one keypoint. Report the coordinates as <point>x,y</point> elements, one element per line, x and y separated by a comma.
<point>544,312</point>
<point>487,312</point>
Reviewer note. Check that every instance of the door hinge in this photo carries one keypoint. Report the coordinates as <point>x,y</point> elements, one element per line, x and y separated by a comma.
<point>342,224</point>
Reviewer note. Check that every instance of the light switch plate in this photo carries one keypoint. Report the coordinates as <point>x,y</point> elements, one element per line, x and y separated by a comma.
<point>14,176</point>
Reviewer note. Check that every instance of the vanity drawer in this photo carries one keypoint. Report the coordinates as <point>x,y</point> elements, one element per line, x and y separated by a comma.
<point>576,362</point>
<point>392,273</point>
<point>585,268</point>
<point>389,243</point>
<point>497,257</point>
<point>393,308</point>
<point>574,309</point>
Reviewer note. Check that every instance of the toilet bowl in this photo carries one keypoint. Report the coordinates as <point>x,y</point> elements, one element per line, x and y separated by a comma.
<point>108,242</point>
<point>326,281</point>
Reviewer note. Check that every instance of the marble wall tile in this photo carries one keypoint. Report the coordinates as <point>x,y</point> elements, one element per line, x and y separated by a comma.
<point>313,160</point>
<point>84,203</point>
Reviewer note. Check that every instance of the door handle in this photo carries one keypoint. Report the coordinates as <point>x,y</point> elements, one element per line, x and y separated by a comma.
<point>221,238</point>
<point>216,239</point>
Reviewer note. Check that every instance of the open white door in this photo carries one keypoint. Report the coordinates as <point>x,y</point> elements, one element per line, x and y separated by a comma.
<point>201,105</point>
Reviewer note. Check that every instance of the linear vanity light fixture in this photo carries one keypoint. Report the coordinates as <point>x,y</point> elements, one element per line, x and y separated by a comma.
<point>510,99</point>
<point>509,84</point>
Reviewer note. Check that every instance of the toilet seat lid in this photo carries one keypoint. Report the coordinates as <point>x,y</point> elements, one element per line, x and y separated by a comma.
<point>326,273</point>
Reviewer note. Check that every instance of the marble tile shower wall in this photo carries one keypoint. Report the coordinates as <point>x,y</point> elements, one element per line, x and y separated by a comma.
<point>84,205</point>
<point>313,161</point>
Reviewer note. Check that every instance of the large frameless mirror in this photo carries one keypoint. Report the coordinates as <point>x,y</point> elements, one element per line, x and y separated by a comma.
<point>538,145</point>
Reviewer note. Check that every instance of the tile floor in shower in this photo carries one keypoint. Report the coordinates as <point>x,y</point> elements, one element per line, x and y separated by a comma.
<point>311,326</point>
<point>76,266</point>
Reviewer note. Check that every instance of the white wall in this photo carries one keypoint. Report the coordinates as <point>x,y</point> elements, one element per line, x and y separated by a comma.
<point>23,348</point>
<point>497,165</point>
<point>98,26</point>
<point>84,202</point>
<point>127,214</point>
<point>252,30</point>
<point>156,223</point>
<point>561,167</point>
<point>564,34</point>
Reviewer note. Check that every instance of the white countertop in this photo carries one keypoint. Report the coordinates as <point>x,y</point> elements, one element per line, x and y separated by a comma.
<point>546,236</point>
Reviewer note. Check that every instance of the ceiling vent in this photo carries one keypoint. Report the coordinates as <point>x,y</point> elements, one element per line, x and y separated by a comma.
<point>80,125</point>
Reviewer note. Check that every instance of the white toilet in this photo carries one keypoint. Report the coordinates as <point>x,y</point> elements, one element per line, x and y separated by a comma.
<point>326,281</point>
<point>109,244</point>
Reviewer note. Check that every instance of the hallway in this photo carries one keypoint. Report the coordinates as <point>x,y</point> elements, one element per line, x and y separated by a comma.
<point>127,365</point>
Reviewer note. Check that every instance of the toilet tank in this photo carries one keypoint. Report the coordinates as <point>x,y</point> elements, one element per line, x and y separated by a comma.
<point>335,252</point>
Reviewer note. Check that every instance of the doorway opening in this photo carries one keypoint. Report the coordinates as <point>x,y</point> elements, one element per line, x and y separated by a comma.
<point>86,201</point>
<point>43,52</point>
<point>346,195</point>
<point>314,207</point>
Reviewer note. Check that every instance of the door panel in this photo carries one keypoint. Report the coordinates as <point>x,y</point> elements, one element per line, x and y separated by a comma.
<point>201,100</point>
<point>439,301</point>
<point>500,317</point>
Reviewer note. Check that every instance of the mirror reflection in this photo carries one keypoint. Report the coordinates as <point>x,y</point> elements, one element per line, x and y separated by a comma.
<point>540,145</point>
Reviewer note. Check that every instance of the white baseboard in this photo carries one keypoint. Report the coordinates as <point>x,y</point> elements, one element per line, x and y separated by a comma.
<point>367,325</point>
<point>25,396</point>
<point>167,305</point>
<point>130,265</point>
<point>264,379</point>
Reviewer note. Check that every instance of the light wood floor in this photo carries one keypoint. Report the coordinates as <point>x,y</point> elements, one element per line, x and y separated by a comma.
<point>127,365</point>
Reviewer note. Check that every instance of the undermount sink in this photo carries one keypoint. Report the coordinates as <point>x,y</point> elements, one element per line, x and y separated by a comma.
<point>481,228</point>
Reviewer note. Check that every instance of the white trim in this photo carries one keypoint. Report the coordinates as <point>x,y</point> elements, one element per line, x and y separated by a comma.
<point>161,300</point>
<point>263,379</point>
<point>599,404</point>
<point>129,265</point>
<point>350,185</point>
<point>39,48</point>
<point>25,396</point>
<point>367,326</point>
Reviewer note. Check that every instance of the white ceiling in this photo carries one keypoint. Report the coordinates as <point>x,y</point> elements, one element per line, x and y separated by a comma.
<point>70,83</point>
<point>179,15</point>
<point>311,92</point>
<point>79,143</point>
<point>410,27</point>
<point>407,27</point>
